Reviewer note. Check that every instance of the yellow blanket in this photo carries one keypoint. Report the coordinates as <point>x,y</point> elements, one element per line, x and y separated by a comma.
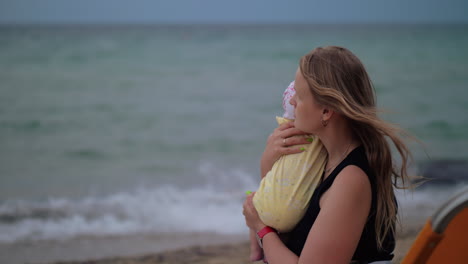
<point>285,192</point>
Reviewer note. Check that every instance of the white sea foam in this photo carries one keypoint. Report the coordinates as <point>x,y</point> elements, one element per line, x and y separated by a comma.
<point>215,206</point>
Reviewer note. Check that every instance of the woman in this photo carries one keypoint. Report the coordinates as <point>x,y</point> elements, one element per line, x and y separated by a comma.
<point>352,213</point>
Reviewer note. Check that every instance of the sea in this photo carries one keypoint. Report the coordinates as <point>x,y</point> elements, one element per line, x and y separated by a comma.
<point>121,130</point>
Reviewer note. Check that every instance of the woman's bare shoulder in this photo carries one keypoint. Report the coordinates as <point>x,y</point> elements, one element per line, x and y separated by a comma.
<point>352,180</point>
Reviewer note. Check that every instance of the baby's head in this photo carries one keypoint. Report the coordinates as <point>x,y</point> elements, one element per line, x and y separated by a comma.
<point>287,95</point>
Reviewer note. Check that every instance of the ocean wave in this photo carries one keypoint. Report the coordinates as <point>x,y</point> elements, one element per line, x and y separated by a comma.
<point>212,207</point>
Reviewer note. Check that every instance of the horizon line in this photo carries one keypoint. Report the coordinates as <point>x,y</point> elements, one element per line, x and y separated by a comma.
<point>233,23</point>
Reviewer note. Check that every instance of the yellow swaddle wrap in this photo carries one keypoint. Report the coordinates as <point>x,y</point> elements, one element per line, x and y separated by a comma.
<point>284,193</point>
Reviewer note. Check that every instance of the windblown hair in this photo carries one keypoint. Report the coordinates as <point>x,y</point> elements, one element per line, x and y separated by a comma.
<point>338,79</point>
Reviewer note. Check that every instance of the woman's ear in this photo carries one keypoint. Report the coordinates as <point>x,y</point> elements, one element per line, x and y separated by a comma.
<point>327,113</point>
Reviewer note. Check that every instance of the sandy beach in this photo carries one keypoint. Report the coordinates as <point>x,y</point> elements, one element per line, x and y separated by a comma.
<point>213,249</point>
<point>214,254</point>
<point>116,248</point>
<point>185,247</point>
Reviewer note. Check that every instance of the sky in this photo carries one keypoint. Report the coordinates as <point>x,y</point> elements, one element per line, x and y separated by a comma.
<point>233,11</point>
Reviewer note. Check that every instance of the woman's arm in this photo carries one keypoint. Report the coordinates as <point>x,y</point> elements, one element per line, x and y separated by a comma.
<point>273,248</point>
<point>281,142</point>
<point>344,211</point>
<point>336,232</point>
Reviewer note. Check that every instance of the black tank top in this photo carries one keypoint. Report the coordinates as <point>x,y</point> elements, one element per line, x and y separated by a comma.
<point>366,250</point>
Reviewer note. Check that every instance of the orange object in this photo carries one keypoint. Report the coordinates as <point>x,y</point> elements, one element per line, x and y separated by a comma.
<point>444,238</point>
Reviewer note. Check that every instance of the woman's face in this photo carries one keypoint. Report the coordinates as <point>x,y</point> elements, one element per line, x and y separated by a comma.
<point>308,113</point>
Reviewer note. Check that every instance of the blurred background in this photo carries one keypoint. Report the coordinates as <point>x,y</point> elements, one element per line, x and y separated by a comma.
<point>128,119</point>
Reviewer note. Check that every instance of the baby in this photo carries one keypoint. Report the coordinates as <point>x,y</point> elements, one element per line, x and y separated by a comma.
<point>284,193</point>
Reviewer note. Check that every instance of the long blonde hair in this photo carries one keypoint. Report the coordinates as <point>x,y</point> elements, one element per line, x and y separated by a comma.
<point>338,79</point>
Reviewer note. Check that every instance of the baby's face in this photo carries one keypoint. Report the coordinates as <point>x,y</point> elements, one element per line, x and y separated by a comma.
<point>287,106</point>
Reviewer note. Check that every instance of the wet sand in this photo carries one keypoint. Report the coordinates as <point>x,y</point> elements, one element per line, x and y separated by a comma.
<point>225,253</point>
<point>233,253</point>
<point>196,248</point>
<point>84,249</point>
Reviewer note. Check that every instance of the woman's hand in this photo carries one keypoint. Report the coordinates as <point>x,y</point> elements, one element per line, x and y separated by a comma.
<point>282,141</point>
<point>252,219</point>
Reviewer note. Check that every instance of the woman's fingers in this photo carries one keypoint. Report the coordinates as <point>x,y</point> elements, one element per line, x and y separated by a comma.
<point>291,132</point>
<point>296,140</point>
<point>251,215</point>
<point>285,131</point>
<point>248,203</point>
<point>291,150</point>
<point>285,126</point>
<point>282,141</point>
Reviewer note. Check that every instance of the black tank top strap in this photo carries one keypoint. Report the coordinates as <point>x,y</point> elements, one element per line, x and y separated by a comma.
<point>356,157</point>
